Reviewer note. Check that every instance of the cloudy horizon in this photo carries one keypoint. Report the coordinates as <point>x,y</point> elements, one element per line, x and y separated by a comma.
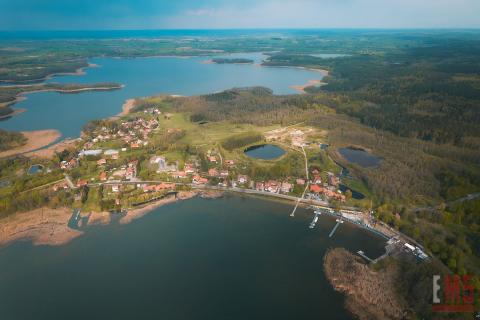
<point>230,14</point>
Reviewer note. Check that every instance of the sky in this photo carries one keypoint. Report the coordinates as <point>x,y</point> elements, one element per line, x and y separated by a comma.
<point>232,14</point>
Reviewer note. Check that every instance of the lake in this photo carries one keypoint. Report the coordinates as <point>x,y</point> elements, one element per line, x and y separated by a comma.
<point>228,258</point>
<point>360,157</point>
<point>144,77</point>
<point>264,152</point>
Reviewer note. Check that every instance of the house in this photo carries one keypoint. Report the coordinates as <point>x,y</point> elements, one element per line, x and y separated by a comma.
<point>178,175</point>
<point>259,186</point>
<point>199,180</point>
<point>115,188</point>
<point>189,169</point>
<point>286,187</point>
<point>102,162</point>
<point>81,183</point>
<point>224,173</point>
<point>316,188</point>
<point>134,145</point>
<point>230,163</point>
<point>272,186</point>
<point>212,159</point>
<point>103,176</point>
<point>213,172</point>
<point>131,173</point>
<point>317,179</point>
<point>300,182</point>
<point>242,179</point>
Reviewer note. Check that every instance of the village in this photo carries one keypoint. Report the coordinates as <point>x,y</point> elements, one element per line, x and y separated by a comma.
<point>114,153</point>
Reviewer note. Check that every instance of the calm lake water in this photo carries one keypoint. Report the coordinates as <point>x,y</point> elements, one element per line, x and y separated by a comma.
<point>229,258</point>
<point>143,77</point>
<point>265,152</point>
<point>360,157</point>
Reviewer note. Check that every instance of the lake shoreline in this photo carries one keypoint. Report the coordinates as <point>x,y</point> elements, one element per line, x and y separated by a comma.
<point>35,140</point>
<point>78,72</point>
<point>46,226</point>
<point>22,96</point>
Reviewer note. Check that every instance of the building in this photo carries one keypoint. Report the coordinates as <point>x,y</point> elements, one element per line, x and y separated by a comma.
<point>242,179</point>
<point>199,180</point>
<point>213,172</point>
<point>81,183</point>
<point>260,186</point>
<point>316,188</point>
<point>300,182</point>
<point>286,187</point>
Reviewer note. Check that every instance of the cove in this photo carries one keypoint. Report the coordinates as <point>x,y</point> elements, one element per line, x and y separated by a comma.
<point>228,258</point>
<point>144,77</point>
<point>264,152</point>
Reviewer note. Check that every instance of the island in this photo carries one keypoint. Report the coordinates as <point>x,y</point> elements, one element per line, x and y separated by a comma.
<point>232,61</point>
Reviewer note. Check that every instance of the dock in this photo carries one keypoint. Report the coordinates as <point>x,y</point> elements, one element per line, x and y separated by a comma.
<point>362,254</point>
<point>335,228</point>
<point>315,219</point>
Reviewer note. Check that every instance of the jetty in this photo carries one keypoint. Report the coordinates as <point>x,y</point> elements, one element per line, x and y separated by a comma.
<point>362,254</point>
<point>315,219</point>
<point>339,221</point>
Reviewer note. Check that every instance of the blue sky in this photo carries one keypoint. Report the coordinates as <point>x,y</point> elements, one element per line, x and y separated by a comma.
<point>180,14</point>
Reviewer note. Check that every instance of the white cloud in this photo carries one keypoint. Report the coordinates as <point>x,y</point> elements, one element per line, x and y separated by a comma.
<point>331,14</point>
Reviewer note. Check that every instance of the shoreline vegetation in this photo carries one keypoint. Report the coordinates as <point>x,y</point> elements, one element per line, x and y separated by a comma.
<point>35,140</point>
<point>77,72</point>
<point>46,226</point>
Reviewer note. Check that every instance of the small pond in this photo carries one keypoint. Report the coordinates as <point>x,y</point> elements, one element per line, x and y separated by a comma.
<point>360,157</point>
<point>355,194</point>
<point>264,151</point>
<point>36,168</point>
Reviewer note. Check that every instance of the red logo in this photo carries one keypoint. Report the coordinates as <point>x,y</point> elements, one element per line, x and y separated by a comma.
<point>458,294</point>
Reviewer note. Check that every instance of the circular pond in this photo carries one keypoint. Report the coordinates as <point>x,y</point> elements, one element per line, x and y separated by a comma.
<point>264,152</point>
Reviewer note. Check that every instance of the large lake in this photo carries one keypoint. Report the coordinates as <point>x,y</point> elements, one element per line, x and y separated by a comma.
<point>229,258</point>
<point>143,77</point>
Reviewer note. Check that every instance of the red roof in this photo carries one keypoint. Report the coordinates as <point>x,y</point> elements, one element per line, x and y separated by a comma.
<point>316,188</point>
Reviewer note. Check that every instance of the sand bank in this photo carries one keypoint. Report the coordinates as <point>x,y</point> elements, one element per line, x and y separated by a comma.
<point>43,226</point>
<point>311,83</point>
<point>35,140</point>
<point>126,108</point>
<point>50,151</point>
<point>140,212</point>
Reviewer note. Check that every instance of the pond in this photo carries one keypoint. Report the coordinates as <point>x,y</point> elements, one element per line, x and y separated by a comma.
<point>36,168</point>
<point>264,152</point>
<point>360,157</point>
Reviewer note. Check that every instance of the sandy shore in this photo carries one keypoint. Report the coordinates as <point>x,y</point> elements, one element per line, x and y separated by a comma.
<point>140,212</point>
<point>41,226</point>
<point>50,151</point>
<point>311,83</point>
<point>35,140</point>
<point>126,108</point>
